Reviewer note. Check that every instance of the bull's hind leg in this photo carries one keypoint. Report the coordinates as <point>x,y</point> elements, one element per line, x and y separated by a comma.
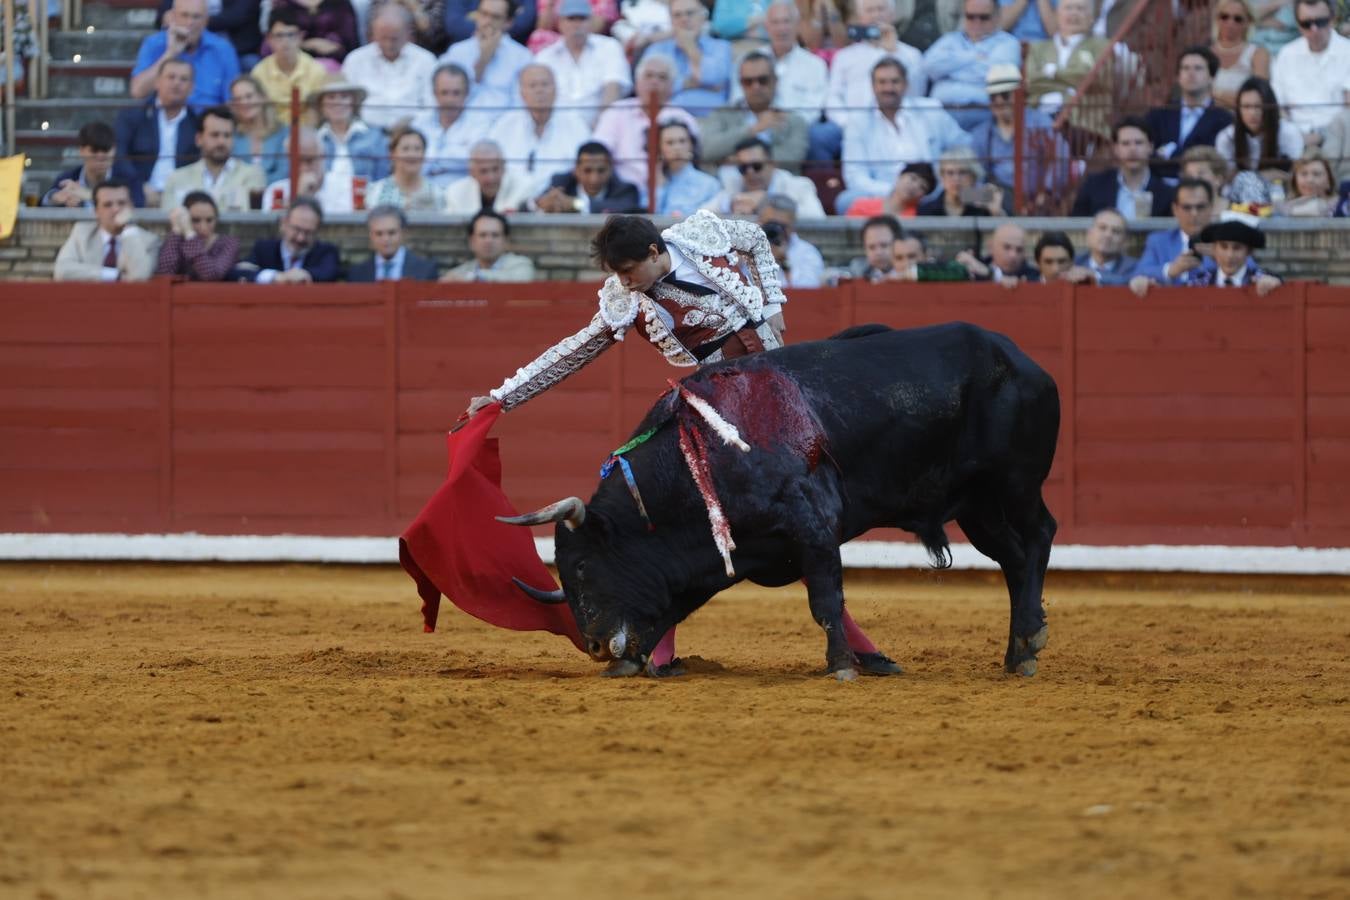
<point>823,573</point>
<point>1022,550</point>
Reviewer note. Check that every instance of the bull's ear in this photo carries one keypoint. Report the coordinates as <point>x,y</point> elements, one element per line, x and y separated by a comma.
<point>571,511</point>
<point>550,597</point>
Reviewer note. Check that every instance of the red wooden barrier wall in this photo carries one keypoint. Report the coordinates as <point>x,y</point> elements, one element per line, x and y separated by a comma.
<point>1198,416</point>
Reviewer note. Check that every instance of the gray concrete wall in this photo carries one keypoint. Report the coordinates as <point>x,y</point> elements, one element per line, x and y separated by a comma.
<point>1305,249</point>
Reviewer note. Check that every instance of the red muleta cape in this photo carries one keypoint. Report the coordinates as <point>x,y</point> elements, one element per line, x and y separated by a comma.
<point>456,547</point>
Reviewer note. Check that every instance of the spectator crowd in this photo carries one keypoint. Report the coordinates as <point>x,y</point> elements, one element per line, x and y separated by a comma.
<point>781,110</point>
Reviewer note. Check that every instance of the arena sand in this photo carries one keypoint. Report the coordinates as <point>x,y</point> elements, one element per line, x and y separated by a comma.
<point>288,731</point>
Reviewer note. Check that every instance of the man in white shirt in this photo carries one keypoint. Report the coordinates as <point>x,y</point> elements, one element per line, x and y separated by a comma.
<point>451,129</point>
<point>109,248</point>
<point>542,140</point>
<point>333,190</point>
<point>874,37</point>
<point>489,185</point>
<point>229,181</point>
<point>590,69</point>
<point>491,56</point>
<point>752,176</point>
<point>803,78</point>
<point>882,140</point>
<point>395,72</point>
<point>1311,75</point>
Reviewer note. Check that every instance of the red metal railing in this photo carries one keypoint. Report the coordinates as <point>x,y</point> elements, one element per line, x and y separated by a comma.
<point>1135,73</point>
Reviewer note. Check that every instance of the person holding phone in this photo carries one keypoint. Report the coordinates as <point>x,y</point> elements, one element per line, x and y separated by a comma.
<point>963,193</point>
<point>872,36</point>
<point>1168,255</point>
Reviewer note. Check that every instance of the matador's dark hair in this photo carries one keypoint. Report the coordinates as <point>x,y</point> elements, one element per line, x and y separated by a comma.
<point>624,240</point>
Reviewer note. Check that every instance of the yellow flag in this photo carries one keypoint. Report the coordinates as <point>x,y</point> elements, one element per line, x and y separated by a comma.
<point>11,180</point>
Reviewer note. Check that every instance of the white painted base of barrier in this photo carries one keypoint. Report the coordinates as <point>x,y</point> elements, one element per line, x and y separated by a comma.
<point>856,555</point>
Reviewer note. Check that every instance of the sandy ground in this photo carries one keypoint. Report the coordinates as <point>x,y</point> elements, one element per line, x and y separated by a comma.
<point>288,731</point>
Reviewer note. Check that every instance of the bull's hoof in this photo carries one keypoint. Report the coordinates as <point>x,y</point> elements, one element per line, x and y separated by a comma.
<point>877,664</point>
<point>673,669</point>
<point>1038,640</point>
<point>845,674</point>
<point>622,668</point>
<point>1026,668</point>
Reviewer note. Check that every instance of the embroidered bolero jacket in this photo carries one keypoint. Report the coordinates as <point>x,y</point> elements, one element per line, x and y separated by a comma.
<point>734,255</point>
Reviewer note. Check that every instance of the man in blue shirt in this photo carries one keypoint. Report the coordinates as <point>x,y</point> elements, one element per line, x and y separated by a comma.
<point>214,62</point>
<point>1027,20</point>
<point>958,63</point>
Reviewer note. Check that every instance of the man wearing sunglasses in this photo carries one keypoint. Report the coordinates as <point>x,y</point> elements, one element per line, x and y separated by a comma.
<point>756,115</point>
<point>958,62</point>
<point>753,176</point>
<point>1168,255</point>
<point>1311,75</point>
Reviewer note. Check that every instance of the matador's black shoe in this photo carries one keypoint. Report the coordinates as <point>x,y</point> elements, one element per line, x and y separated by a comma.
<point>877,664</point>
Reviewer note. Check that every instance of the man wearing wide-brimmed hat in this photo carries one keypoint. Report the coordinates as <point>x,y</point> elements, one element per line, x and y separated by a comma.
<point>1231,243</point>
<point>1044,153</point>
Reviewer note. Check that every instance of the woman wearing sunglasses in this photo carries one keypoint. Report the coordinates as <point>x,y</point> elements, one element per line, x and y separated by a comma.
<point>1239,58</point>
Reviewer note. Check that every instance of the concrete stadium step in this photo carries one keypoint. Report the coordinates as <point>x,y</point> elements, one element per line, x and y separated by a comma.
<point>48,150</point>
<point>127,14</point>
<point>90,79</point>
<point>96,45</point>
<point>66,114</point>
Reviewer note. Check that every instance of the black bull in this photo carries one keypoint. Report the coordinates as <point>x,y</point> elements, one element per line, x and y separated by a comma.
<point>871,428</point>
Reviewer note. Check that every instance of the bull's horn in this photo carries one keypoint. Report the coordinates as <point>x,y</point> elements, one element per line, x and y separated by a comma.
<point>550,597</point>
<point>572,511</point>
<point>618,644</point>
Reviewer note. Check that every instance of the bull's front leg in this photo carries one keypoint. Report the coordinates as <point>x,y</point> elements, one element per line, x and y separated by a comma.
<point>823,573</point>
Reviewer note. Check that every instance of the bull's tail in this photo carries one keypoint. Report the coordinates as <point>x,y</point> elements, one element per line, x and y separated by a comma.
<point>934,540</point>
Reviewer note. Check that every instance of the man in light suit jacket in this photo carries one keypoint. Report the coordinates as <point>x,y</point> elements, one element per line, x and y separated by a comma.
<point>489,184</point>
<point>1195,120</point>
<point>229,181</point>
<point>489,233</point>
<point>1168,254</point>
<point>298,257</point>
<point>390,260</point>
<point>108,248</point>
